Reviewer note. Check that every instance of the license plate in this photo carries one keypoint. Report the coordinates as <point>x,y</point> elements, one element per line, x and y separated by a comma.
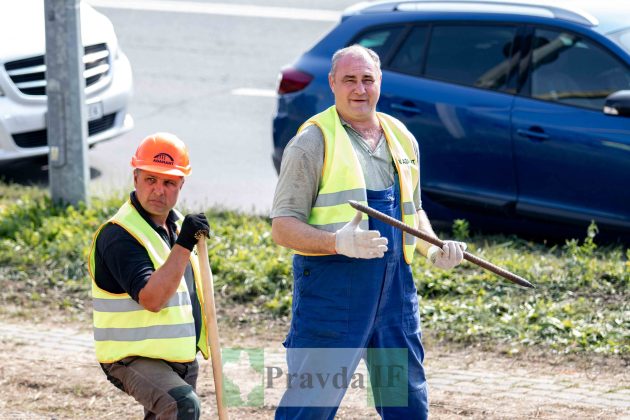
<point>94,111</point>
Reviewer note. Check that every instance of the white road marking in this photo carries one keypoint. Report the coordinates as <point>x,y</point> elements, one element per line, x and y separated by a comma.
<point>225,9</point>
<point>268,93</point>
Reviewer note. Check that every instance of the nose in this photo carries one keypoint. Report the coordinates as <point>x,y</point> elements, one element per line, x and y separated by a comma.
<point>158,188</point>
<point>360,88</point>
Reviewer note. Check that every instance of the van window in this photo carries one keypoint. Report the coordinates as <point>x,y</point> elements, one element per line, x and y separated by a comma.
<point>472,55</point>
<point>569,69</point>
<point>408,58</point>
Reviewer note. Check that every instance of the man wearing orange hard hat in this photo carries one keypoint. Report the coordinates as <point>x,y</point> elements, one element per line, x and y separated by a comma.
<point>146,287</point>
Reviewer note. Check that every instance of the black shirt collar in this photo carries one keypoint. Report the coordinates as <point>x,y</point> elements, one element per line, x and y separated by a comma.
<point>170,219</point>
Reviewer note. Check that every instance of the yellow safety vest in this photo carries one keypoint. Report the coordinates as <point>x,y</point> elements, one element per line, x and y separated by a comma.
<point>124,328</point>
<point>343,180</point>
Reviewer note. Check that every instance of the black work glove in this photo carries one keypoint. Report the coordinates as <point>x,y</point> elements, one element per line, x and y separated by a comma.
<point>193,223</point>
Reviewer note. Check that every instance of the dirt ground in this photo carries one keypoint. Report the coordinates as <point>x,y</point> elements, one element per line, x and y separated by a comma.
<point>40,383</point>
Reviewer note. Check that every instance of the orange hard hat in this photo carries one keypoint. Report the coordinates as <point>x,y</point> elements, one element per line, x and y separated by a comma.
<point>162,153</point>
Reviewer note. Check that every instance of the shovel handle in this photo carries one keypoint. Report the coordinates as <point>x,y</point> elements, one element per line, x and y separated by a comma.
<point>211,323</point>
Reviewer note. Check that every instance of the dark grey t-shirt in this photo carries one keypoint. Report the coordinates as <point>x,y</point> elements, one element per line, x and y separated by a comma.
<point>301,170</point>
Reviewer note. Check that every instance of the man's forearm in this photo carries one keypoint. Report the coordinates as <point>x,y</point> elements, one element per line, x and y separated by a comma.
<point>292,233</point>
<point>424,225</point>
<point>164,281</point>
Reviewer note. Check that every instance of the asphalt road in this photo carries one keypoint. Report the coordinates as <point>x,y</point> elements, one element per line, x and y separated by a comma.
<point>186,67</point>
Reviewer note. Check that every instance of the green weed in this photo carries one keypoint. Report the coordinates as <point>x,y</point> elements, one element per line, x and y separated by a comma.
<point>581,303</point>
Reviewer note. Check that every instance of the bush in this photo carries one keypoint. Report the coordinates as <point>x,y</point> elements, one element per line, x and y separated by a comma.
<point>580,304</point>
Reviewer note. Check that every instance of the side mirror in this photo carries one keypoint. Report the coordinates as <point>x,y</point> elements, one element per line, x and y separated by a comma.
<point>618,103</point>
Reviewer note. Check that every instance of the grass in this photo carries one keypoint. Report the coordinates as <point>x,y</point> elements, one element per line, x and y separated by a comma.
<point>581,303</point>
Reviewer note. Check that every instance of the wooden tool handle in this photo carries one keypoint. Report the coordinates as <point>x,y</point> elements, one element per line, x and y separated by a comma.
<point>419,234</point>
<point>211,324</point>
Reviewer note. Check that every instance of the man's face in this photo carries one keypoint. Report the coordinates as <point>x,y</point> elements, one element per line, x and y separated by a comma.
<point>356,85</point>
<point>157,193</point>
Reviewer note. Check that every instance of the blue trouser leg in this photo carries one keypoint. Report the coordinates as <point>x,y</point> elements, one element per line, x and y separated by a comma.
<point>415,395</point>
<point>326,317</point>
<point>397,328</point>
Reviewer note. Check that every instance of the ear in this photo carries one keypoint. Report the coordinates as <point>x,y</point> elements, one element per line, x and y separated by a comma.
<point>135,177</point>
<point>331,82</point>
<point>182,183</point>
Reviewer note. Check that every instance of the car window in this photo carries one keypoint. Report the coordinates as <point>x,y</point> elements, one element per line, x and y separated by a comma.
<point>623,39</point>
<point>569,69</point>
<point>471,55</point>
<point>380,40</point>
<point>408,58</point>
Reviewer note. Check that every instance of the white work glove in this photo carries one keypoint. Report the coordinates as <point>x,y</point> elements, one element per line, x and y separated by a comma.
<point>352,241</point>
<point>447,257</point>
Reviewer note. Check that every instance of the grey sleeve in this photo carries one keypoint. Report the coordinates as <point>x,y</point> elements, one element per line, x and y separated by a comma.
<point>300,175</point>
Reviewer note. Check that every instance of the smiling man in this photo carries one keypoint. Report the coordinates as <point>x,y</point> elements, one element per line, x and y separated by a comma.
<point>354,296</point>
<point>146,287</point>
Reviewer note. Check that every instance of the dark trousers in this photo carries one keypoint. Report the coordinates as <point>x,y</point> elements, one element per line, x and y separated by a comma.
<point>166,390</point>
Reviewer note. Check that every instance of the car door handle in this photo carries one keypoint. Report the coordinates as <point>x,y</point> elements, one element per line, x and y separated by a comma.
<point>534,133</point>
<point>406,108</point>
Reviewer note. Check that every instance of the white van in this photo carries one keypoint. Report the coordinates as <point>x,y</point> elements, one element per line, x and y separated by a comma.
<point>23,79</point>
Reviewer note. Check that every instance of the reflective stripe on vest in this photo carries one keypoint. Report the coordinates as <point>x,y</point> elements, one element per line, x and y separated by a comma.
<point>124,328</point>
<point>343,179</point>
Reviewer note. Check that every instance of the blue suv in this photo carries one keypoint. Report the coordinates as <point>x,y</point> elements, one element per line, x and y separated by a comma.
<point>520,111</point>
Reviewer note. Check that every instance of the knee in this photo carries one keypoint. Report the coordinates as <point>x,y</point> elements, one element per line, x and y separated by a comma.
<point>188,405</point>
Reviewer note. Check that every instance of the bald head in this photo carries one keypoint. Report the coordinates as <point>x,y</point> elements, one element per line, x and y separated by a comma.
<point>358,51</point>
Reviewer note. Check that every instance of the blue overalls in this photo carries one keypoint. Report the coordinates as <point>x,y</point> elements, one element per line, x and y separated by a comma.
<point>348,305</point>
